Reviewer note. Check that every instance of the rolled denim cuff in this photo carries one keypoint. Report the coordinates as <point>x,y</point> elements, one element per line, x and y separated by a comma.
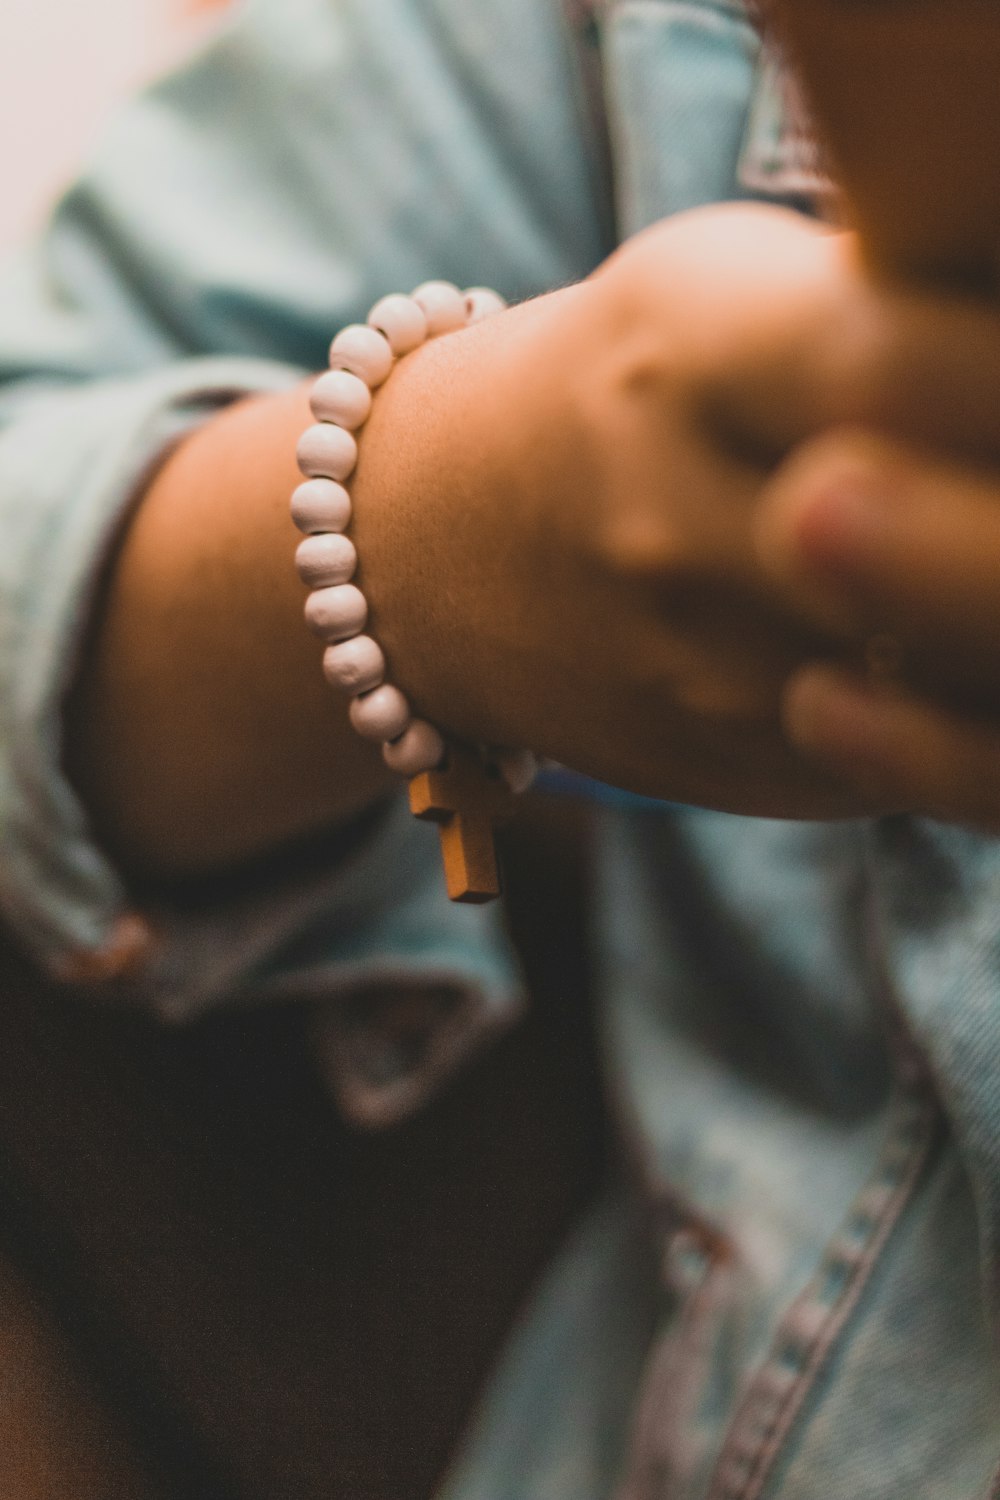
<point>72,461</point>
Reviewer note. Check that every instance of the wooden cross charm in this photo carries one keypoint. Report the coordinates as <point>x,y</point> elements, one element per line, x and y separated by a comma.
<point>467,798</point>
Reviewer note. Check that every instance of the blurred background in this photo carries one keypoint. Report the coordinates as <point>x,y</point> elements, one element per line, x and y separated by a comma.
<point>64,64</point>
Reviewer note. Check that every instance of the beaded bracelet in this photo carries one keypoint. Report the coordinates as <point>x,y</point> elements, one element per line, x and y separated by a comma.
<point>465,790</point>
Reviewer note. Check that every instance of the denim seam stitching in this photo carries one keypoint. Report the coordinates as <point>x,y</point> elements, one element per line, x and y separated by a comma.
<point>581,18</point>
<point>685,1352</point>
<point>683,1349</point>
<point>736,8</point>
<point>766,1415</point>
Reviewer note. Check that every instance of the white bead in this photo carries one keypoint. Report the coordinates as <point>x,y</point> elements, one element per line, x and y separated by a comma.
<point>338,396</point>
<point>327,452</point>
<point>482,302</point>
<point>364,351</point>
<point>355,666</point>
<point>382,714</point>
<point>324,560</point>
<point>444,305</point>
<point>336,613</point>
<point>321,505</point>
<point>517,767</point>
<point>401,320</point>
<point>419,748</point>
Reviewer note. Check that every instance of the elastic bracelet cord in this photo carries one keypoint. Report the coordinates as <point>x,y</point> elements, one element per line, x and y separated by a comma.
<point>464,789</point>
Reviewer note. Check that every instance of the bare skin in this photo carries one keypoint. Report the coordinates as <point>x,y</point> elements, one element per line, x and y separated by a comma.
<point>899,545</point>
<point>555,513</point>
<point>201,730</point>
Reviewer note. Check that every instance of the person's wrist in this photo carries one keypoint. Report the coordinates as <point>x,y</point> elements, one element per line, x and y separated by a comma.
<point>474,499</point>
<point>465,788</point>
<point>437,533</point>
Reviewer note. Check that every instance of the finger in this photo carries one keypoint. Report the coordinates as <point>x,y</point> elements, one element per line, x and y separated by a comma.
<point>901,753</point>
<point>846,352</point>
<point>925,369</point>
<point>875,537</point>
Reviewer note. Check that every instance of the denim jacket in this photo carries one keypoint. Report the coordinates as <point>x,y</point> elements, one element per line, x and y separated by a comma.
<point>801,1023</point>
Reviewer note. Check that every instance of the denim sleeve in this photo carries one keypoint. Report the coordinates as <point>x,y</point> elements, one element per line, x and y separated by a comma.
<point>70,463</point>
<point>309,159</point>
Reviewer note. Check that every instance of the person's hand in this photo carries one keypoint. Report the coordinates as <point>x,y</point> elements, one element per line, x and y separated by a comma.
<point>900,550</point>
<point>555,516</point>
<point>554,511</point>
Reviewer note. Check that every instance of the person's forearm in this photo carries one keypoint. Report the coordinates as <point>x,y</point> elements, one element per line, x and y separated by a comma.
<point>201,730</point>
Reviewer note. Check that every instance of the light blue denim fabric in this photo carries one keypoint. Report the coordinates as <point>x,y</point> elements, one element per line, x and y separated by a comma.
<point>802,1024</point>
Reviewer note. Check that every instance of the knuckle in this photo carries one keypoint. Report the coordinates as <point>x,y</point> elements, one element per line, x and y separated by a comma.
<point>638,545</point>
<point>839,457</point>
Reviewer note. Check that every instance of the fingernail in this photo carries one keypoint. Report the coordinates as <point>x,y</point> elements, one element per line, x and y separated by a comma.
<point>826,526</point>
<point>841,522</point>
